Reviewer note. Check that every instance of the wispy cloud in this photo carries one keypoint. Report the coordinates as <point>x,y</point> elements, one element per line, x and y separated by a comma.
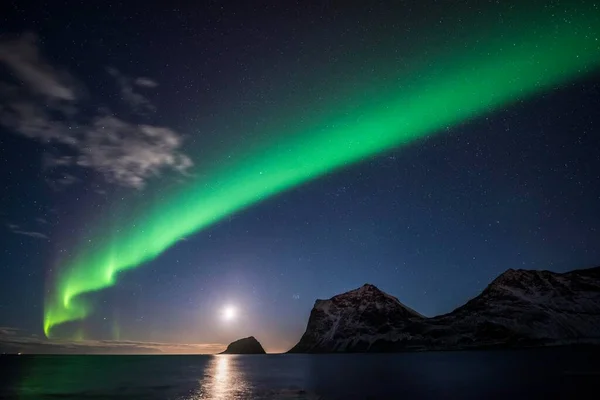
<point>16,341</point>
<point>145,82</point>
<point>21,55</point>
<point>17,230</point>
<point>138,102</point>
<point>31,116</point>
<point>41,103</point>
<point>7,331</point>
<point>130,154</point>
<point>61,180</point>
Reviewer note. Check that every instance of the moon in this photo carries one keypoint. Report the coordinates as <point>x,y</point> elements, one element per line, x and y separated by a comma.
<point>229,313</point>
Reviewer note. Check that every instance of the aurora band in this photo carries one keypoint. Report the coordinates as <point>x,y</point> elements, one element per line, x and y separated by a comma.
<point>510,65</point>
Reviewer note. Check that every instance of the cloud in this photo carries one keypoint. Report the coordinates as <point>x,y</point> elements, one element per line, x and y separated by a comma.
<point>30,119</point>
<point>41,103</point>
<point>124,153</point>
<point>60,181</point>
<point>138,102</point>
<point>16,341</point>
<point>145,82</point>
<point>21,55</point>
<point>17,229</point>
<point>51,161</point>
<point>6,330</point>
<point>130,154</point>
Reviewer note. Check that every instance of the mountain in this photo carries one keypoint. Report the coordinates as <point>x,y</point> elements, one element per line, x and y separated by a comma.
<point>519,308</point>
<point>531,306</point>
<point>247,345</point>
<point>352,321</point>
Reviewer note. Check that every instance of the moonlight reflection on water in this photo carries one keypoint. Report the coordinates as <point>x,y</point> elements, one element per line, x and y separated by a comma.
<point>222,380</point>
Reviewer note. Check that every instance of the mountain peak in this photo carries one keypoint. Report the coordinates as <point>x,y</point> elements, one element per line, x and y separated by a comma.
<point>369,286</point>
<point>366,296</point>
<point>333,323</point>
<point>524,278</point>
<point>366,288</point>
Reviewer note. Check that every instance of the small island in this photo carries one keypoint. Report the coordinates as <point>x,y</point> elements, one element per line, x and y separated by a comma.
<point>247,345</point>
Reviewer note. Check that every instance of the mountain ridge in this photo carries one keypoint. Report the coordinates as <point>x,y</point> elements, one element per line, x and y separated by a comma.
<point>518,308</point>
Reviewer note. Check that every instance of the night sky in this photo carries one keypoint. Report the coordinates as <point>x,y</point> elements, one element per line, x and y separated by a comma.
<point>131,134</point>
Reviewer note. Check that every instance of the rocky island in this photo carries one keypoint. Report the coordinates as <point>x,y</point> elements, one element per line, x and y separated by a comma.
<point>247,345</point>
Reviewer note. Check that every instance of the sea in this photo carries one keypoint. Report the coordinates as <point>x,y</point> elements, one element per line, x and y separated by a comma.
<point>545,373</point>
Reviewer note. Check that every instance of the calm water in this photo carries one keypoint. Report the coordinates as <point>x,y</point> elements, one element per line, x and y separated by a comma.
<point>540,373</point>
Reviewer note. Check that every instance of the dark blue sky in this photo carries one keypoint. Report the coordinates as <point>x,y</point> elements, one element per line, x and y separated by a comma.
<point>432,223</point>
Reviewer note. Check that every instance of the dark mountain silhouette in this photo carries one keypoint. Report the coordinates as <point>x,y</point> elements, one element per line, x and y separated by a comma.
<point>519,308</point>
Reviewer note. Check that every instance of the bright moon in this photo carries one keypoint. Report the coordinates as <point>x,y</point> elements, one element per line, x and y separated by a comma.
<point>229,313</point>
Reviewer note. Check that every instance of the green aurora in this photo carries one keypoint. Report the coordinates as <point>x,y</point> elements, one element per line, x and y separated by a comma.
<point>507,66</point>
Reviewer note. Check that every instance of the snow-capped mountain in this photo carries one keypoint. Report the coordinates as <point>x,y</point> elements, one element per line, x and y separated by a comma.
<point>519,308</point>
<point>352,321</point>
<point>523,305</point>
